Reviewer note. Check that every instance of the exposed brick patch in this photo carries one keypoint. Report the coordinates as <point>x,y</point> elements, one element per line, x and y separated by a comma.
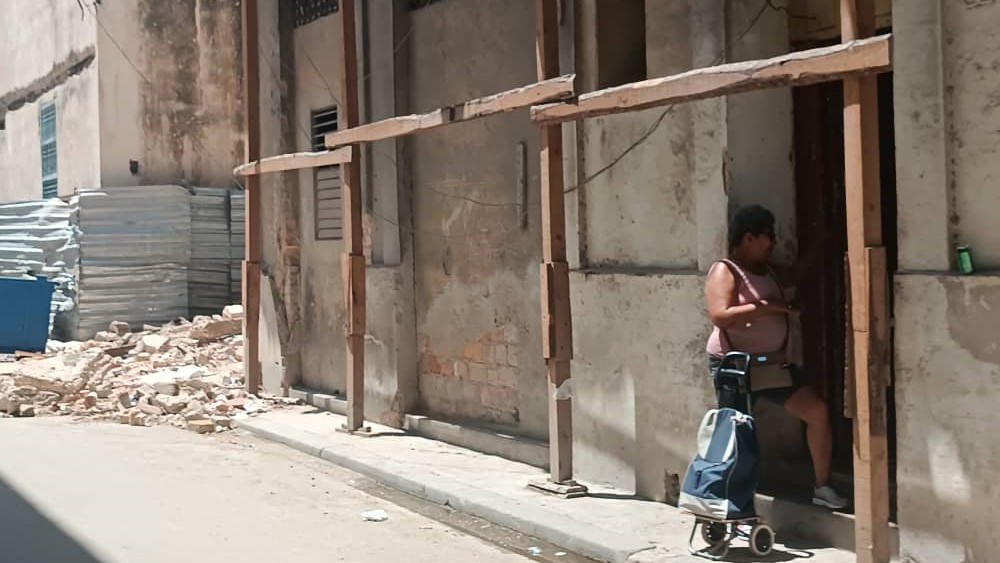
<point>481,384</point>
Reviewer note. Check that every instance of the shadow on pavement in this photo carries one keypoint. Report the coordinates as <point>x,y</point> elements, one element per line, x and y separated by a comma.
<point>28,536</point>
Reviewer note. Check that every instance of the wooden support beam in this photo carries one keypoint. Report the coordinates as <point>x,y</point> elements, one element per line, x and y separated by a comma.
<point>557,327</point>
<point>869,282</point>
<point>353,263</point>
<point>294,161</point>
<point>251,261</point>
<point>867,56</point>
<point>546,90</point>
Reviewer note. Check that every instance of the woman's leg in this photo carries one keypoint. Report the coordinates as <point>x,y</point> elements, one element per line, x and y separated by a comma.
<point>806,404</point>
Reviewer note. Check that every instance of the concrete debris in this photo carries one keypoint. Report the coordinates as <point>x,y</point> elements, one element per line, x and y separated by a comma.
<point>207,329</point>
<point>120,328</point>
<point>233,312</point>
<point>154,343</point>
<point>186,374</point>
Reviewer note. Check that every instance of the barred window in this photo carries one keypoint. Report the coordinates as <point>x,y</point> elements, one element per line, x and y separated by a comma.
<point>311,10</point>
<point>327,186</point>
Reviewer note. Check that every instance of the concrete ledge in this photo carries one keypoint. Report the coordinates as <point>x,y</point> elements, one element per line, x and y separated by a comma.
<point>494,443</point>
<point>323,401</point>
<point>835,529</point>
<point>531,452</point>
<point>589,540</point>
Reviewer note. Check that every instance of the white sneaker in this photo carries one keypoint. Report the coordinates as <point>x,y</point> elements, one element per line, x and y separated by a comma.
<point>826,496</point>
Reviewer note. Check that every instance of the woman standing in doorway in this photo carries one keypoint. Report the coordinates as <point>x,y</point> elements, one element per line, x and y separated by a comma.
<point>745,300</point>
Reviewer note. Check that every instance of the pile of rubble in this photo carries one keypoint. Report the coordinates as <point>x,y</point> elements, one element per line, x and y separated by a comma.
<point>187,373</point>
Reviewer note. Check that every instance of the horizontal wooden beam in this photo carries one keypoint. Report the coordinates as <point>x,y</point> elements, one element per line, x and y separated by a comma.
<point>547,90</point>
<point>825,64</point>
<point>294,161</point>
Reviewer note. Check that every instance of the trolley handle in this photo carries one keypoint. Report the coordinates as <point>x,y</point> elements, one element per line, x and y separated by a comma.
<point>736,362</point>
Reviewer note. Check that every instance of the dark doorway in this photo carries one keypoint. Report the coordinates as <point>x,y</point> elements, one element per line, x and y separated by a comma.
<point>820,217</point>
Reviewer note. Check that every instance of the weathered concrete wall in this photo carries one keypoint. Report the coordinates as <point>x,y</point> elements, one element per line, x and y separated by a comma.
<point>48,54</point>
<point>921,138</point>
<point>972,104</point>
<point>653,226</point>
<point>638,398</point>
<point>947,389</point>
<point>178,110</point>
<point>317,86</point>
<point>760,162</point>
<point>390,343</point>
<point>626,208</point>
<point>476,270</point>
<point>946,358</point>
<point>391,363</point>
<point>280,205</point>
<point>947,125</point>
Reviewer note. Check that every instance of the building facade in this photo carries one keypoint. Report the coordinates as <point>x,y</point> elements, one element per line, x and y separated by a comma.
<point>453,221</point>
<point>127,93</point>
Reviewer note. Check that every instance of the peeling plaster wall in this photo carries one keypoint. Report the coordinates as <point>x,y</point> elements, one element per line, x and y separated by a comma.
<point>947,390</point>
<point>37,36</point>
<point>476,273</point>
<point>280,197</point>
<point>77,146</point>
<point>178,111</point>
<point>47,55</point>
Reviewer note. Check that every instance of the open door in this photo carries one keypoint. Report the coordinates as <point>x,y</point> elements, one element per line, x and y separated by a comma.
<point>820,216</point>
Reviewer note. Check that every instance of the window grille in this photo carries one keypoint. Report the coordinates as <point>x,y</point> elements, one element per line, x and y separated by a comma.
<point>307,11</point>
<point>47,133</point>
<point>327,184</point>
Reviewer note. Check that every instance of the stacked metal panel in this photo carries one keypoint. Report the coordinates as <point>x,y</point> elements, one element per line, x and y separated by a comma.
<point>208,276</point>
<point>39,238</point>
<point>237,237</point>
<point>135,248</point>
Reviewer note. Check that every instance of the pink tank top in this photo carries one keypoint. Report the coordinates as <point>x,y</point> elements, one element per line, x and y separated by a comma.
<point>764,334</point>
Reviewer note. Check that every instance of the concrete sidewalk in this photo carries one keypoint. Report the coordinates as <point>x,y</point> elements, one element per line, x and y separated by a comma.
<point>608,525</point>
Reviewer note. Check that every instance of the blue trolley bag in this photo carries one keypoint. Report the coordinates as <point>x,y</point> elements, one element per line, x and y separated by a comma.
<point>722,478</point>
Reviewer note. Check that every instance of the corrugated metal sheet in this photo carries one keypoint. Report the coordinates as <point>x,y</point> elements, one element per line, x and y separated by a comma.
<point>38,237</point>
<point>237,237</point>
<point>135,248</point>
<point>208,277</point>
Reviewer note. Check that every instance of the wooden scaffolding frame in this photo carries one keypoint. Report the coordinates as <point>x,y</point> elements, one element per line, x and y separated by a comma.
<point>856,62</point>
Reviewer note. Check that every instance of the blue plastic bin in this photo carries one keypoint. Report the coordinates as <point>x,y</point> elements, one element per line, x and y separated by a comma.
<point>24,314</point>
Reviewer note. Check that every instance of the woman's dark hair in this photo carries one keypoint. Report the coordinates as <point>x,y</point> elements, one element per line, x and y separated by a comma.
<point>751,219</point>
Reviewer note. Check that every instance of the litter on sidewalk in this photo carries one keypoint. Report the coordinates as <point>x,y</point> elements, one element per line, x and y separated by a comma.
<point>374,516</point>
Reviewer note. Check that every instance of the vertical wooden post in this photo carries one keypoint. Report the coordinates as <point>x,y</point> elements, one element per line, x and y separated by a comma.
<point>251,261</point>
<point>557,328</point>
<point>869,296</point>
<point>353,263</point>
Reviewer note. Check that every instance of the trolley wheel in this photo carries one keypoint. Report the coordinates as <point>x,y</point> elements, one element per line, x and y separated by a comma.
<point>714,533</point>
<point>761,540</point>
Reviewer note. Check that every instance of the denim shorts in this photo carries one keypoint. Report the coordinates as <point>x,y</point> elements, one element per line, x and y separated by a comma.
<point>777,396</point>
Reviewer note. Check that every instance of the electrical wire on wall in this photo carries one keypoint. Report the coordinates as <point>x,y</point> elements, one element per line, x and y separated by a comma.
<point>639,141</point>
